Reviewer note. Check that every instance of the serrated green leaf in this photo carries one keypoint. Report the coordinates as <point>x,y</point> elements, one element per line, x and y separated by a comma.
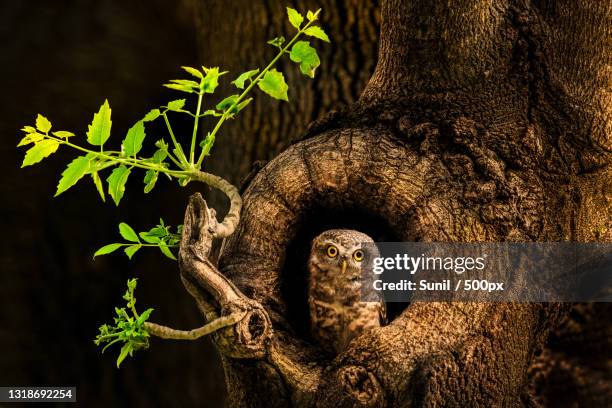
<point>295,18</point>
<point>306,56</point>
<point>116,183</point>
<point>43,123</point>
<point>151,115</point>
<point>273,83</point>
<point>195,72</point>
<point>98,131</point>
<point>277,41</point>
<point>131,250</point>
<point>227,103</point>
<point>73,173</point>
<point>150,179</point>
<point>176,105</point>
<point>128,232</point>
<point>165,250</point>
<point>178,87</point>
<point>133,141</point>
<point>98,183</point>
<point>317,32</point>
<point>30,138</point>
<point>28,129</point>
<point>107,249</point>
<point>211,79</point>
<point>39,151</point>
<point>242,78</point>
<point>63,134</point>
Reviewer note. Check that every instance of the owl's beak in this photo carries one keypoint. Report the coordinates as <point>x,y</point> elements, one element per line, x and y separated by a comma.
<point>343,266</point>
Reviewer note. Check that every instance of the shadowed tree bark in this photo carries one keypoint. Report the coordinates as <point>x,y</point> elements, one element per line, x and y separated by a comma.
<point>483,121</point>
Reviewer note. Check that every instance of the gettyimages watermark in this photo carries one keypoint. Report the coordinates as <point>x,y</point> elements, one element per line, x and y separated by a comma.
<point>491,272</point>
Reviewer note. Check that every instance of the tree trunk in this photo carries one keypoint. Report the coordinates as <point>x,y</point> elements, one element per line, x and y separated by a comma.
<point>483,121</point>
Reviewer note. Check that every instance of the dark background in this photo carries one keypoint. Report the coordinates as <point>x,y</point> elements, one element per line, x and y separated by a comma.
<point>62,59</point>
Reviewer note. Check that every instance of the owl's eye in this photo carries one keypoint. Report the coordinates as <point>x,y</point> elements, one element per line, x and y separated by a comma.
<point>332,251</point>
<point>358,255</point>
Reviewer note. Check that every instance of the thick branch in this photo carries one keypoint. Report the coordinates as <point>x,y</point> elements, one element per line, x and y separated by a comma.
<point>227,227</point>
<point>204,281</point>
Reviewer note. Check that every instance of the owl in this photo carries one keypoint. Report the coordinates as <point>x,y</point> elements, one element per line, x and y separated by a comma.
<point>339,309</point>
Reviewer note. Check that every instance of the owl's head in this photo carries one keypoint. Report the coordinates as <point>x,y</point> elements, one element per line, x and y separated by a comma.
<point>342,250</point>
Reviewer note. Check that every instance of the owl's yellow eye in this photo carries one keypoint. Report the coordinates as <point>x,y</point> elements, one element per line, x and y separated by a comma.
<point>358,255</point>
<point>332,251</point>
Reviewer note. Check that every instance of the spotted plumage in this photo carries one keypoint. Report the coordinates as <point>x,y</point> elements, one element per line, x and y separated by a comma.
<point>339,311</point>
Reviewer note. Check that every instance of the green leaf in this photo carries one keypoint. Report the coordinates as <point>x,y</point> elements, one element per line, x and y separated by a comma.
<point>128,232</point>
<point>148,238</point>
<point>131,250</point>
<point>227,103</point>
<point>152,115</point>
<point>96,179</point>
<point>178,87</point>
<point>295,18</point>
<point>99,130</point>
<point>28,129</point>
<point>107,249</point>
<point>160,155</point>
<point>207,144</point>
<point>317,32</point>
<point>185,82</point>
<point>31,138</point>
<point>144,316</point>
<point>176,105</point>
<point>242,78</point>
<point>183,180</point>
<point>73,173</point>
<point>133,141</point>
<point>127,348</point>
<point>273,83</point>
<point>277,42</point>
<point>150,179</point>
<point>116,183</point>
<point>306,56</point>
<point>312,16</point>
<point>63,134</point>
<point>211,112</point>
<point>39,151</point>
<point>211,80</point>
<point>243,104</point>
<point>165,250</point>
<point>195,72</point>
<point>43,123</point>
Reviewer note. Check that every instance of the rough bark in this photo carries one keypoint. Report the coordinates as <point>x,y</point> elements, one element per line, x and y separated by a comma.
<point>480,123</point>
